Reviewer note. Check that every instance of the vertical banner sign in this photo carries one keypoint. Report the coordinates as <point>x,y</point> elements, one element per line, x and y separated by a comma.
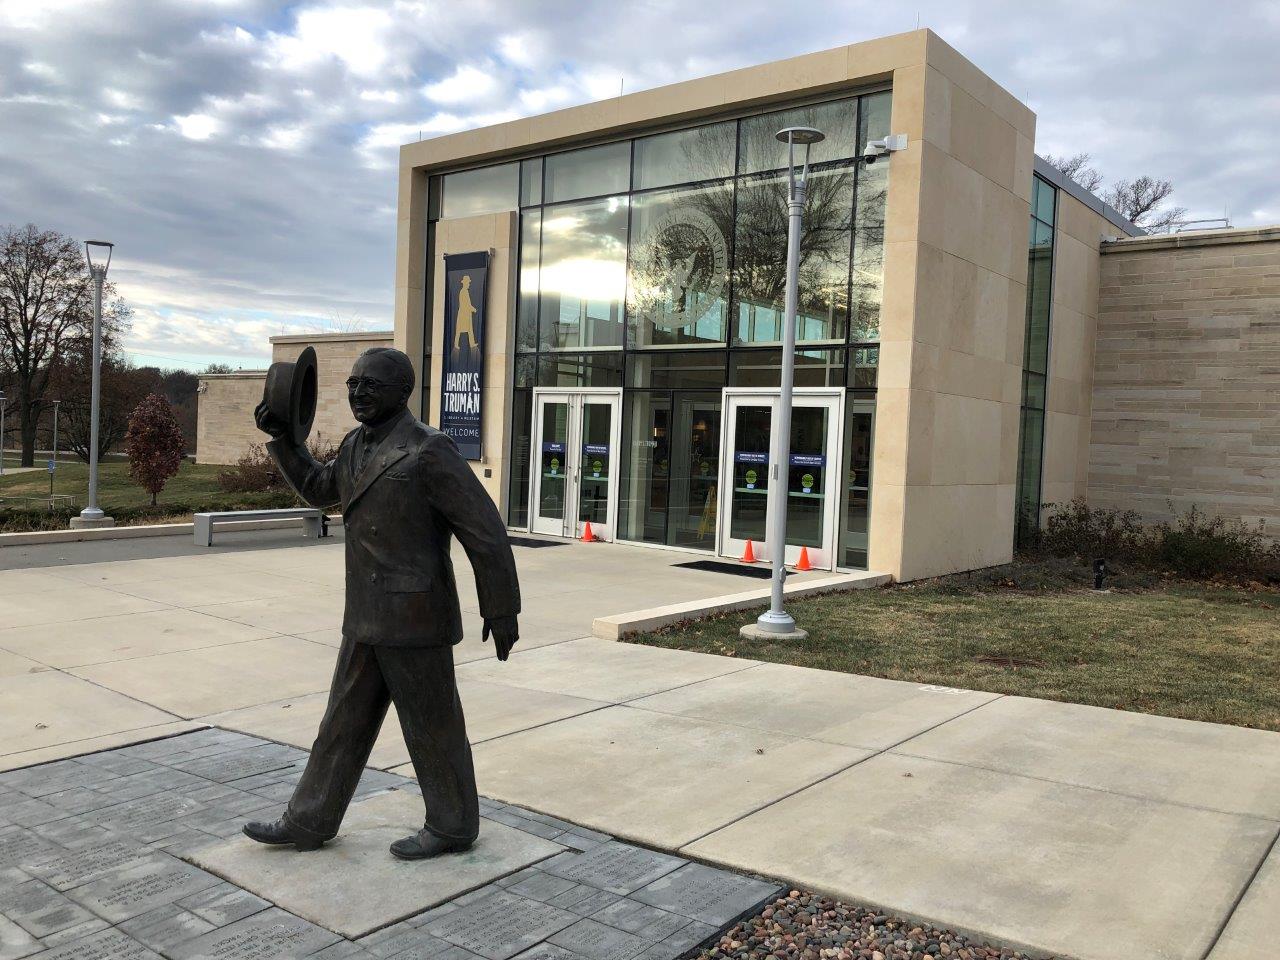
<point>462,386</point>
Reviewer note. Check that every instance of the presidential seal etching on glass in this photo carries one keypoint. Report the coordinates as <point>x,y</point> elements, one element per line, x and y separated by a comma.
<point>678,274</point>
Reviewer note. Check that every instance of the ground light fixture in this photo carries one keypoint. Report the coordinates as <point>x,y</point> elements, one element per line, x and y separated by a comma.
<point>98,255</point>
<point>776,622</point>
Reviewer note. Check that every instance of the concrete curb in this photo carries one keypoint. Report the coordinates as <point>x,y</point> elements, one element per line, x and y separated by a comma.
<point>142,530</point>
<point>654,618</point>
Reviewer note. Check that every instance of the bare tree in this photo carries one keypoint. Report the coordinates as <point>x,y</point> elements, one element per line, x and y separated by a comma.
<point>45,308</point>
<point>123,387</point>
<point>1078,168</point>
<point>1139,198</point>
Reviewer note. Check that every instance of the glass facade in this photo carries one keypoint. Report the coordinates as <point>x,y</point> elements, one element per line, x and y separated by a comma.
<point>1035,363</point>
<point>659,264</point>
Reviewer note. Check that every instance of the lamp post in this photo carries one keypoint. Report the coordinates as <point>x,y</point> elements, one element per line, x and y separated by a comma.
<point>1,433</point>
<point>53,460</point>
<point>92,515</point>
<point>776,622</point>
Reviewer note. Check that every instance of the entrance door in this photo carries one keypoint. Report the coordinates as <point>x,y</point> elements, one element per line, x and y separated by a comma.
<point>575,437</point>
<point>810,480</point>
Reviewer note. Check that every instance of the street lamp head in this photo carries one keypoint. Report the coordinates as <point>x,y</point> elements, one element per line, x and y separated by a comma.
<point>98,253</point>
<point>804,135</point>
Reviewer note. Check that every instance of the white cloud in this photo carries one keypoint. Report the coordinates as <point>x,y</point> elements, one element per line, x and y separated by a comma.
<point>29,15</point>
<point>356,35</point>
<point>522,49</point>
<point>243,151</point>
<point>381,96</point>
<point>197,126</point>
<point>467,85</point>
<point>544,99</point>
<point>121,99</point>
<point>285,137</point>
<point>44,71</point>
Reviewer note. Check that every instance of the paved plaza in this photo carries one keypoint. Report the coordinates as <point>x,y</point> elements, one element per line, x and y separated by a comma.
<point>122,854</point>
<point>1072,830</point>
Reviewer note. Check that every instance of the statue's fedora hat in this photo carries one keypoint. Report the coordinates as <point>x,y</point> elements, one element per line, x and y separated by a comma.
<point>290,394</point>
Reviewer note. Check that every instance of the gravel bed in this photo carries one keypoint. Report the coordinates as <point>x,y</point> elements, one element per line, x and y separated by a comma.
<point>805,926</point>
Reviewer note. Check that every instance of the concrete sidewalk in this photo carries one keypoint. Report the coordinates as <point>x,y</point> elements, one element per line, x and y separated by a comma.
<point>1075,830</point>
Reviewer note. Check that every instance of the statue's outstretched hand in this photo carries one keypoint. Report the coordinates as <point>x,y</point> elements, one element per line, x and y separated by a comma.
<point>269,422</point>
<point>505,632</point>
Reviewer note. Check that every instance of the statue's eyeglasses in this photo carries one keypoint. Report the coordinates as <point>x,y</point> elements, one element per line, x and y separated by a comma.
<point>369,383</point>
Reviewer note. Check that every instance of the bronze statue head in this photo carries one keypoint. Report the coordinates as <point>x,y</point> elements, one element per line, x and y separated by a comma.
<point>379,385</point>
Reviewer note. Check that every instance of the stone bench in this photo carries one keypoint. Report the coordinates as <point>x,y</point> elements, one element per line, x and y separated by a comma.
<point>314,522</point>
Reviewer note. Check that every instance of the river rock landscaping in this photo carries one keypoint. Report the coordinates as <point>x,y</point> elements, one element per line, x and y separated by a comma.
<point>806,926</point>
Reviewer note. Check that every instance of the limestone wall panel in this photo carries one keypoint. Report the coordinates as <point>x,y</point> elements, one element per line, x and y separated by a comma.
<point>1186,400</point>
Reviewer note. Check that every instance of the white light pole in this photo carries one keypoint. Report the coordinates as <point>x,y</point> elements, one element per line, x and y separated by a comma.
<point>1,433</point>
<point>53,460</point>
<point>92,515</point>
<point>777,622</point>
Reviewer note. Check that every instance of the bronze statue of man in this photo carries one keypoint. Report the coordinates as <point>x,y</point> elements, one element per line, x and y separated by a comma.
<point>405,490</point>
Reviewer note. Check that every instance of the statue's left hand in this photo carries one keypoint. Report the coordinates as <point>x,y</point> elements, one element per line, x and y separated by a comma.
<point>505,632</point>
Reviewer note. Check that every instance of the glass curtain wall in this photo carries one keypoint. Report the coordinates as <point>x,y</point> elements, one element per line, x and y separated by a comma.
<point>1035,364</point>
<point>659,265</point>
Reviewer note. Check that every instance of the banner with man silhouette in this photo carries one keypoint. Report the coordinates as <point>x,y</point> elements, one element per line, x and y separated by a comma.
<point>462,386</point>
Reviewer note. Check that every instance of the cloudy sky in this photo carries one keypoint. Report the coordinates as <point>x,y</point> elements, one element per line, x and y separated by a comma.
<point>241,153</point>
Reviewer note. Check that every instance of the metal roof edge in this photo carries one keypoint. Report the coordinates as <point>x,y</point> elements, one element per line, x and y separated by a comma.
<point>1091,200</point>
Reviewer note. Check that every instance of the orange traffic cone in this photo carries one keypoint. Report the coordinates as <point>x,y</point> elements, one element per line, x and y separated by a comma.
<point>587,535</point>
<point>748,555</point>
<point>803,563</point>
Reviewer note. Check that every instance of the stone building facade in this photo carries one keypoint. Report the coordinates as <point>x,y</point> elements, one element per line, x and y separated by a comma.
<point>225,429</point>
<point>1186,391</point>
<point>956,374</point>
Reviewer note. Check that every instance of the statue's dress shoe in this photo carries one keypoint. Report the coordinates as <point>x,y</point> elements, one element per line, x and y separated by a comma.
<point>279,833</point>
<point>424,844</point>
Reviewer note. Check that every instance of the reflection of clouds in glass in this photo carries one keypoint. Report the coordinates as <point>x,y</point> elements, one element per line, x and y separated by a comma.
<point>761,150</point>
<point>675,278</point>
<point>583,276</point>
<point>561,224</point>
<point>586,278</point>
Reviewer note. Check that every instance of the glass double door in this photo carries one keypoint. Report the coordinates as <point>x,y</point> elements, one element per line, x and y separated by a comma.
<point>809,481</point>
<point>671,479</point>
<point>576,442</point>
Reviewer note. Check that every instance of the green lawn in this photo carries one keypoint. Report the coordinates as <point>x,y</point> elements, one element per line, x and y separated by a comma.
<point>1202,652</point>
<point>194,488</point>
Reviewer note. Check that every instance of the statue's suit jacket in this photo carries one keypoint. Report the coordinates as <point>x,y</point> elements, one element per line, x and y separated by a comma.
<point>399,512</point>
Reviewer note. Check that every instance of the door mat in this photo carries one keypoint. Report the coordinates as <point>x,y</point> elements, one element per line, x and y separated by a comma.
<point>717,566</point>
<point>530,542</point>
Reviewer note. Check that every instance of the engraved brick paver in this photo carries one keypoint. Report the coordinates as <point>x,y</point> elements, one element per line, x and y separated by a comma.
<point>112,944</point>
<point>39,909</point>
<point>705,893</point>
<point>64,869</point>
<point>616,867</point>
<point>271,935</point>
<point>501,925</point>
<point>126,893</point>
<point>589,938</point>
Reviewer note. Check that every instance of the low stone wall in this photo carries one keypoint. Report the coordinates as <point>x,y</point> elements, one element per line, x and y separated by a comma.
<point>1186,398</point>
<point>225,429</point>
